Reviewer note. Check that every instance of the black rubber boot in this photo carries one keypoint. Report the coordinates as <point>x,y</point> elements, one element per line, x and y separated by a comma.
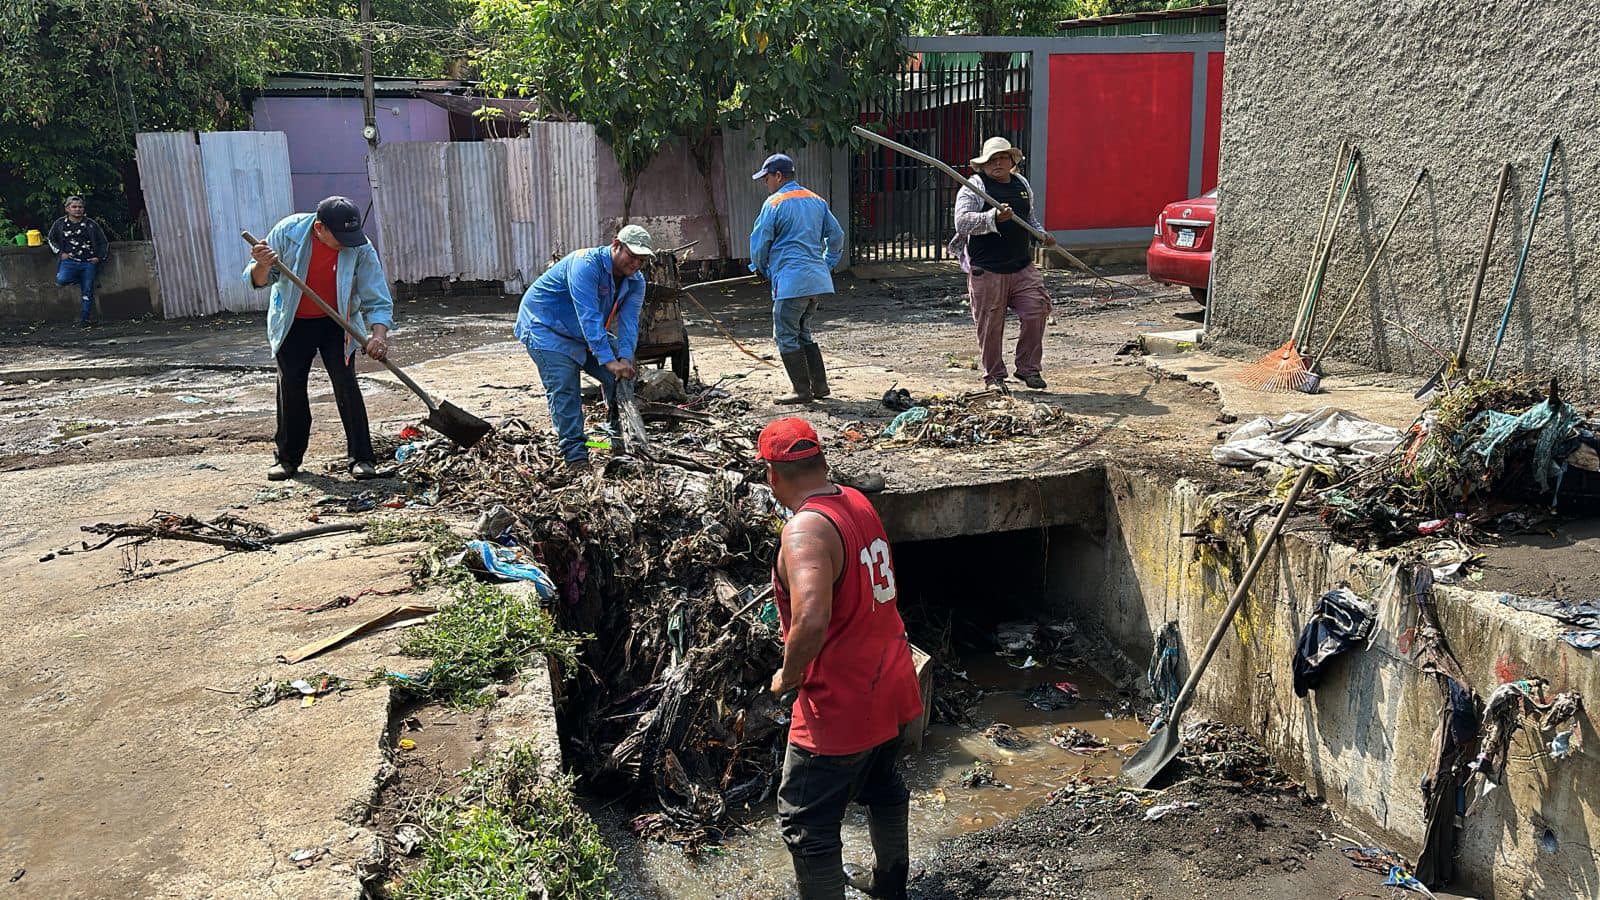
<point>819,371</point>
<point>799,377</point>
<point>820,877</point>
<point>891,851</point>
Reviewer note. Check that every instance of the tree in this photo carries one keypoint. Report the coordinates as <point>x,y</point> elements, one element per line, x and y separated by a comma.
<point>796,71</point>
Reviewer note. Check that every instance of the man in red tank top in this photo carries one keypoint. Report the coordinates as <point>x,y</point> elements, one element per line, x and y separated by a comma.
<point>846,653</point>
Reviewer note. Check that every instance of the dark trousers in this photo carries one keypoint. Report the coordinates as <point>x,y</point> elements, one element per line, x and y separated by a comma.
<point>306,339</point>
<point>816,790</point>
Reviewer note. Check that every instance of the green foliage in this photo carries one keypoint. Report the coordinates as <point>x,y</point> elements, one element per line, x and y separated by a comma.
<point>87,75</point>
<point>510,835</point>
<point>482,636</point>
<point>1022,17</point>
<point>798,70</point>
<point>404,529</point>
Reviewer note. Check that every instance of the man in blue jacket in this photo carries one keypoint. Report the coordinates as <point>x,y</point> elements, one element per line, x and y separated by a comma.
<point>795,244</point>
<point>582,315</point>
<point>331,253</point>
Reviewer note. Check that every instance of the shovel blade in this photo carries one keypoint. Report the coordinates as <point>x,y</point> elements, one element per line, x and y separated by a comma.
<point>1157,753</point>
<point>457,424</point>
<point>1430,385</point>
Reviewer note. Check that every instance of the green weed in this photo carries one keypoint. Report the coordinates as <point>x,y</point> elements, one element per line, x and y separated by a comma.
<point>482,636</point>
<point>509,835</point>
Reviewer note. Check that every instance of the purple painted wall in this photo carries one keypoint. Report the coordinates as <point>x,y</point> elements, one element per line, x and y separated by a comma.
<point>327,154</point>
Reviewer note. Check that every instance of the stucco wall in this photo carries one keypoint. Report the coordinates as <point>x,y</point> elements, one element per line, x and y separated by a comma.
<point>670,200</point>
<point>1459,87</point>
<point>125,285</point>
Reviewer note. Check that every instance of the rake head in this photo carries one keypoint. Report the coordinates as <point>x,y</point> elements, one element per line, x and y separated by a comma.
<point>1279,372</point>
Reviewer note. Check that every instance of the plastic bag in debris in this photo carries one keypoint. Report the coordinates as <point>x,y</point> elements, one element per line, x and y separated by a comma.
<point>1326,436</point>
<point>493,522</point>
<point>1554,425</point>
<point>910,417</point>
<point>898,399</point>
<point>661,386</point>
<point>1340,621</point>
<point>499,563</point>
<point>1400,878</point>
<point>1156,813</point>
<point>1016,637</point>
<point>1584,615</point>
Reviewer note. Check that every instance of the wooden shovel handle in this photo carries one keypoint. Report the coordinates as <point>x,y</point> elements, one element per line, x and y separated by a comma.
<point>344,323</point>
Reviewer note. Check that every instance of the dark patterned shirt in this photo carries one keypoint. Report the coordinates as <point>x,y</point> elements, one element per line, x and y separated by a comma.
<point>83,240</point>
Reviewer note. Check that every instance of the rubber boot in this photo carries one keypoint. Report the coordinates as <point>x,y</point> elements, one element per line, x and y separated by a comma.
<point>819,371</point>
<point>891,852</point>
<point>799,371</point>
<point>820,877</point>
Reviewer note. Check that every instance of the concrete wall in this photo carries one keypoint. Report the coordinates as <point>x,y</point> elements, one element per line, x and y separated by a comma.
<point>1457,86</point>
<point>328,155</point>
<point>125,287</point>
<point>1363,738</point>
<point>670,200</point>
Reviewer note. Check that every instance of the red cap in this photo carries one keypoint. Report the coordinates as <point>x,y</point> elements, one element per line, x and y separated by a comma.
<point>778,440</point>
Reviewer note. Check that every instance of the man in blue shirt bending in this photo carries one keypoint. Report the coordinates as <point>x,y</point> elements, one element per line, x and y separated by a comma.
<point>582,315</point>
<point>795,244</point>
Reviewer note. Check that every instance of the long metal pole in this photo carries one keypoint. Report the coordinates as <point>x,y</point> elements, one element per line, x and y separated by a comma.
<point>369,112</point>
<point>940,165</point>
<point>1522,261</point>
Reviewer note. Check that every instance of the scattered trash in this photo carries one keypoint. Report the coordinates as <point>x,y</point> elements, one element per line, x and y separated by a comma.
<point>1400,878</point>
<point>270,692</point>
<point>1076,740</point>
<point>661,386</point>
<point>981,774</point>
<point>493,523</point>
<point>399,617</point>
<point>273,495</point>
<point>190,399</point>
<point>1585,615</point>
<point>304,859</point>
<point>1029,663</point>
<point>496,563</point>
<point>1561,744</point>
<point>1157,813</point>
<point>1006,737</point>
<point>205,465</point>
<point>898,399</point>
<point>972,420</point>
<point>1016,637</point>
<point>408,838</point>
<point>1051,697</point>
<point>1163,673</point>
<point>1339,621</point>
<point>1324,437</point>
<point>406,744</point>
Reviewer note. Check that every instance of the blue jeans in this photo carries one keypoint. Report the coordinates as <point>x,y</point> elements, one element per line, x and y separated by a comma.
<point>791,323</point>
<point>72,270</point>
<point>559,373</point>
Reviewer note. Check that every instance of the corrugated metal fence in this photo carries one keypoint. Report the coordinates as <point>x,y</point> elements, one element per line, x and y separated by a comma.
<point>486,211</point>
<point>824,170</point>
<point>199,194</point>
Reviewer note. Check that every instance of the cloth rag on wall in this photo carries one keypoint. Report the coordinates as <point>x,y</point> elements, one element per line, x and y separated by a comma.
<point>1340,621</point>
<point>1584,615</point>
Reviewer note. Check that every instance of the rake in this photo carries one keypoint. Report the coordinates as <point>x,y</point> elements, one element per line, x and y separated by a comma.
<point>1284,369</point>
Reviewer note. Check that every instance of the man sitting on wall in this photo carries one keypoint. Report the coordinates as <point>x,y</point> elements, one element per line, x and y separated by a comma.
<point>80,244</point>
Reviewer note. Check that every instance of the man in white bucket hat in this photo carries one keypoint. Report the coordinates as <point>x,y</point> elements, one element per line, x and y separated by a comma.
<point>996,252</point>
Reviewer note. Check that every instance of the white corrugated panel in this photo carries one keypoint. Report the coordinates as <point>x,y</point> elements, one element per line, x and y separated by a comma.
<point>568,206</point>
<point>247,187</point>
<point>479,217</point>
<point>524,179</point>
<point>814,168</point>
<point>175,198</point>
<point>409,192</point>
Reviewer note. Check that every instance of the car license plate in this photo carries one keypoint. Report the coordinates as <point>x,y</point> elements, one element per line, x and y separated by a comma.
<point>1185,238</point>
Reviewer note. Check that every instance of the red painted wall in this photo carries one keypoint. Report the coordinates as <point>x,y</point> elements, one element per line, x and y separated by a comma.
<point>1213,136</point>
<point>1119,137</point>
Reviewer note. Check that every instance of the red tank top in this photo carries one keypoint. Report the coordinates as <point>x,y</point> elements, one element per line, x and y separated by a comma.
<point>322,277</point>
<point>863,686</point>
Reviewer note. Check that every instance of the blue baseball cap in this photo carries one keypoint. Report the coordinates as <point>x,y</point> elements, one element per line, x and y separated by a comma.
<point>776,164</point>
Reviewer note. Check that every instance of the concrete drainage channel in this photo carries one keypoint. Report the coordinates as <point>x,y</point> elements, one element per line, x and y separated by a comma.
<point>1112,552</point>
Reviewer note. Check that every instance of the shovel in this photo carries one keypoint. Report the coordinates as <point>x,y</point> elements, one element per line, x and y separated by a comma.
<point>444,417</point>
<point>1158,752</point>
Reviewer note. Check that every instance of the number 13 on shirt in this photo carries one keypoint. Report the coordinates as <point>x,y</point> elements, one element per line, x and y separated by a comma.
<point>876,558</point>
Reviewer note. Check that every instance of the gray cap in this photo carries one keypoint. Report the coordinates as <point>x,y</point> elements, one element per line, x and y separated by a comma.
<point>637,240</point>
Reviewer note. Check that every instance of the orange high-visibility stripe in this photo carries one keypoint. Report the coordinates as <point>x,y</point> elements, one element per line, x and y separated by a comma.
<point>797,192</point>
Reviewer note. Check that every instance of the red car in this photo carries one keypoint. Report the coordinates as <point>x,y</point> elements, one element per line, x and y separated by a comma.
<point>1180,252</point>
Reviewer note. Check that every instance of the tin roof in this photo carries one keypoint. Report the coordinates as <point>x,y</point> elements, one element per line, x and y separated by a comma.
<point>1159,15</point>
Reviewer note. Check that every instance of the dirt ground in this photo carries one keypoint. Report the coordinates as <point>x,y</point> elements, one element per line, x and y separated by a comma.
<point>133,769</point>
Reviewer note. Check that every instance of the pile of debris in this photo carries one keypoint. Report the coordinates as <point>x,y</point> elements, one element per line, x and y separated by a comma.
<point>970,420</point>
<point>1476,458</point>
<point>659,560</point>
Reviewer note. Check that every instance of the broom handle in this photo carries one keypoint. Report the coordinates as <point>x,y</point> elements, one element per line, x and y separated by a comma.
<point>1322,224</point>
<point>967,183</point>
<point>1522,261</point>
<point>1460,359</point>
<point>1327,249</point>
<point>1376,255</point>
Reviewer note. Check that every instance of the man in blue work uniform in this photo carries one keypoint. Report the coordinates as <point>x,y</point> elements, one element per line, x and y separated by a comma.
<point>582,315</point>
<point>795,244</point>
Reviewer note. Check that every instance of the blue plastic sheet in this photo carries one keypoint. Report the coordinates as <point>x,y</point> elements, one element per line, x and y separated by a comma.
<point>505,564</point>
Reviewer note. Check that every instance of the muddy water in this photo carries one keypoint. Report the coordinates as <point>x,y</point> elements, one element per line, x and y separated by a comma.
<point>755,864</point>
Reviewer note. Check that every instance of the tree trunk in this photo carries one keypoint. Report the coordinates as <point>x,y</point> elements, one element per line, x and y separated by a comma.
<point>700,150</point>
<point>629,182</point>
<point>991,114</point>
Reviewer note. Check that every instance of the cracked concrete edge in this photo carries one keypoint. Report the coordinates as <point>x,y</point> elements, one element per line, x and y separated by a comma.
<point>363,805</point>
<point>527,717</point>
